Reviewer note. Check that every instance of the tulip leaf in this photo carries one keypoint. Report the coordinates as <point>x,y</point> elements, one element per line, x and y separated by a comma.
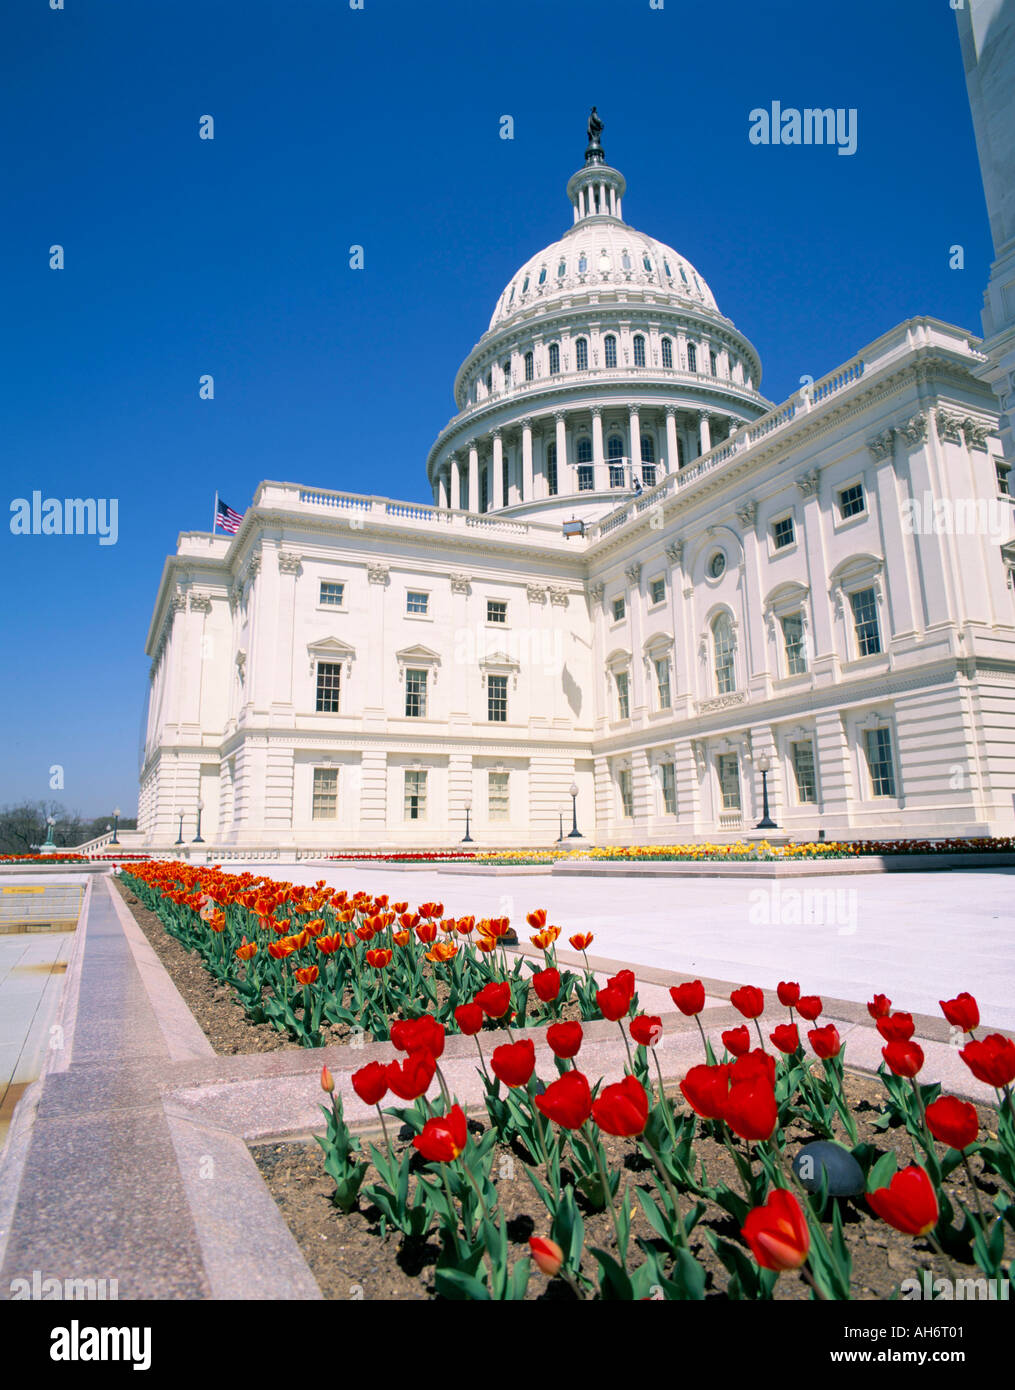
<point>882,1172</point>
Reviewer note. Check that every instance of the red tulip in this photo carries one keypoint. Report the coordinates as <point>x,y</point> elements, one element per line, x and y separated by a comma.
<point>896,1027</point>
<point>469,1018</point>
<point>689,998</point>
<point>962,1012</point>
<point>953,1122</point>
<point>777,1232</point>
<point>646,1029</point>
<point>547,1255</point>
<point>785,1037</point>
<point>705,1089</point>
<point>749,1000</point>
<point>564,1039</point>
<point>909,1203</point>
<point>809,1007</point>
<point>410,1079</point>
<point>825,1041</point>
<point>991,1060</point>
<point>567,1101</point>
<point>753,1066</point>
<point>622,1109</point>
<point>546,983</point>
<point>379,959</point>
<point>623,981</point>
<point>514,1063</point>
<point>495,998</point>
<point>371,1083</point>
<point>788,994</point>
<point>904,1058</point>
<point>444,1137</point>
<point>418,1034</point>
<point>751,1110</point>
<point>737,1041</point>
<point>879,1006</point>
<point>613,1003</point>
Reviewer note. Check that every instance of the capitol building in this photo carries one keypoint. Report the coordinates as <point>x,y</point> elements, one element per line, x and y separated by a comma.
<point>638,577</point>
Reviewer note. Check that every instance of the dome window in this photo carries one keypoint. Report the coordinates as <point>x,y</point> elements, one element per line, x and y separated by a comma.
<point>667,353</point>
<point>511,297</point>
<point>610,350</point>
<point>583,263</point>
<point>562,270</point>
<point>581,349</point>
<point>647,264</point>
<point>682,275</point>
<point>692,358</point>
<point>542,276</point>
<point>614,447</point>
<point>528,367</point>
<point>506,369</point>
<point>625,261</point>
<point>554,359</point>
<point>605,261</point>
<point>648,449</point>
<point>525,286</point>
<point>489,382</point>
<point>639,350</point>
<point>713,363</point>
<point>666,267</point>
<point>585,451</point>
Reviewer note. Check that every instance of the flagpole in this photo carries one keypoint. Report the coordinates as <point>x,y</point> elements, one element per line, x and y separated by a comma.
<point>215,514</point>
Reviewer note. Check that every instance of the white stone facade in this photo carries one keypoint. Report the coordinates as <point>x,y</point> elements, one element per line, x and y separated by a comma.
<point>825,584</point>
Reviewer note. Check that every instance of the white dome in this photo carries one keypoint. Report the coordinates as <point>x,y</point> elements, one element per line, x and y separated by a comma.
<point>615,255</point>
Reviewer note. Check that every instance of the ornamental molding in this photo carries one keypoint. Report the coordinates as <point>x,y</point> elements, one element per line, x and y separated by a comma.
<point>331,649</point>
<point>417,655</point>
<point>499,664</point>
<point>882,445</point>
<point>675,552</point>
<point>633,573</point>
<point>178,601</point>
<point>253,568</point>
<point>595,592</point>
<point>289,562</point>
<point>977,433</point>
<point>717,702</point>
<point>808,482</point>
<point>461,583</point>
<point>377,573</point>
<point>536,593</point>
<point>914,430</point>
<point>949,427</point>
<point>200,603</point>
<point>559,595</point>
<point>747,513</point>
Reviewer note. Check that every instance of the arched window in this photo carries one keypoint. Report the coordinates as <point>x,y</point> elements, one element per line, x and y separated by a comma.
<point>639,350</point>
<point>511,296</point>
<point>610,350</point>
<point>583,263</point>
<point>507,372</point>
<point>692,358</point>
<point>713,363</point>
<point>722,643</point>
<point>682,275</point>
<point>586,472</point>
<point>667,353</point>
<point>528,366</point>
<point>554,358</point>
<point>625,261</point>
<point>581,354</point>
<point>551,469</point>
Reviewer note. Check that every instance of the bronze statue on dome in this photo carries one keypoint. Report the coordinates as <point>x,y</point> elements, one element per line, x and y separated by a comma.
<point>595,127</point>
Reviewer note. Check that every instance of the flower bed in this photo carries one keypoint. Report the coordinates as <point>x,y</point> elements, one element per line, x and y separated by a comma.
<point>756,852</point>
<point>43,859</point>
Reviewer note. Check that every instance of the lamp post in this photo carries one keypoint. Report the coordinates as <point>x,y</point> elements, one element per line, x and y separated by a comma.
<point>467,838</point>
<point>116,825</point>
<point>180,838</point>
<point>49,842</point>
<point>560,815</point>
<point>766,822</point>
<point>197,838</point>
<point>575,833</point>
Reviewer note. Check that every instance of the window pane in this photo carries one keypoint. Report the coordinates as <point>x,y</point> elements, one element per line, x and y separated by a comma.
<point>878,743</point>
<point>667,353</point>
<point>783,533</point>
<point>496,610</point>
<point>669,787</point>
<point>663,681</point>
<point>415,794</point>
<point>585,451</point>
<point>415,694</point>
<point>803,771</point>
<point>610,349</point>
<point>581,354</point>
<point>416,602</point>
<point>692,358</point>
<point>497,795</point>
<point>626,793</point>
<point>639,351</point>
<point>658,590</point>
<point>331,593</point>
<point>329,674</point>
<point>865,621</point>
<point>325,803</point>
<point>722,637</point>
<point>496,697</point>
<point>585,477</point>
<point>851,501</point>
<point>619,609</point>
<point>729,781</point>
<point>623,702</point>
<point>554,359</point>
<point>793,637</point>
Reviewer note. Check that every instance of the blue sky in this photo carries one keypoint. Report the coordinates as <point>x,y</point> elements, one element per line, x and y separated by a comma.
<point>380,127</point>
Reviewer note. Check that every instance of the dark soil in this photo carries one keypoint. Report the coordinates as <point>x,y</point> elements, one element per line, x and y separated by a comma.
<point>350,1257</point>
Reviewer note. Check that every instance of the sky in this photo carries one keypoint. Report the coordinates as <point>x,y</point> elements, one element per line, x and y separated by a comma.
<point>380,127</point>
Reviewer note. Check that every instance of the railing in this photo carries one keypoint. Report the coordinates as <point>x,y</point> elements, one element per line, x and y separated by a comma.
<point>383,508</point>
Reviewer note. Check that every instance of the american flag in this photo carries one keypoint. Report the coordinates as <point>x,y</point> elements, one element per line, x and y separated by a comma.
<point>227,518</point>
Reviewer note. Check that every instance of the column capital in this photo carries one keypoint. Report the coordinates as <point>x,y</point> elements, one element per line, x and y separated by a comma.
<point>560,415</point>
<point>671,412</point>
<point>597,410</point>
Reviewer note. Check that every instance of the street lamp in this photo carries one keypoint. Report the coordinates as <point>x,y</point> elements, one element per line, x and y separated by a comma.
<point>197,838</point>
<point>560,816</point>
<point>467,838</point>
<point>180,838</point>
<point>116,825</point>
<point>766,822</point>
<point>575,833</point>
<point>49,842</point>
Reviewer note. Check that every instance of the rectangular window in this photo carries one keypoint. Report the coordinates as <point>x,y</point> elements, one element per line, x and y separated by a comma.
<point>729,781</point>
<point>551,470</point>
<point>332,593</point>
<point>669,786</point>
<point>415,794</point>
<point>657,590</point>
<point>496,698</point>
<point>415,694</point>
<point>793,638</point>
<point>626,793</point>
<point>416,602</point>
<point>619,610</point>
<point>851,501</point>
<point>586,480</point>
<point>878,746</point>
<point>783,533</point>
<point>329,675</point>
<point>663,681</point>
<point>803,771</point>
<point>325,805</point>
<point>496,610</point>
<point>497,795</point>
<point>623,700</point>
<point>713,362</point>
<point>865,622</point>
<point>1003,471</point>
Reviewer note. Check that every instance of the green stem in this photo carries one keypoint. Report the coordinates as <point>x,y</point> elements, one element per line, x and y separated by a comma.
<point>623,1034</point>
<point>667,1108</point>
<point>682,1232</point>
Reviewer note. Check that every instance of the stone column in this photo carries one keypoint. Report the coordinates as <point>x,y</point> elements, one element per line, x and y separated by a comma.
<point>597,445</point>
<point>705,432</point>
<point>442,489</point>
<point>528,487</point>
<point>634,426</point>
<point>497,489</point>
<point>565,481</point>
<point>456,483</point>
<point>672,452</point>
<point>473,476</point>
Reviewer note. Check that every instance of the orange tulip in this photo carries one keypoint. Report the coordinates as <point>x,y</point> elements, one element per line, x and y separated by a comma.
<point>581,941</point>
<point>442,952</point>
<point>401,938</point>
<point>246,951</point>
<point>379,959</point>
<point>427,932</point>
<point>537,919</point>
<point>307,975</point>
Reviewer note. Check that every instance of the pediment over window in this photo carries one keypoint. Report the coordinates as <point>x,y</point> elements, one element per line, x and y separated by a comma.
<point>417,657</point>
<point>499,664</point>
<point>331,649</point>
<point>854,569</point>
<point>657,644</point>
<point>618,659</point>
<point>786,597</point>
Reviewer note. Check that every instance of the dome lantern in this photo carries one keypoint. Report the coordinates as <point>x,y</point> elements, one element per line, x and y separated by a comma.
<point>596,189</point>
